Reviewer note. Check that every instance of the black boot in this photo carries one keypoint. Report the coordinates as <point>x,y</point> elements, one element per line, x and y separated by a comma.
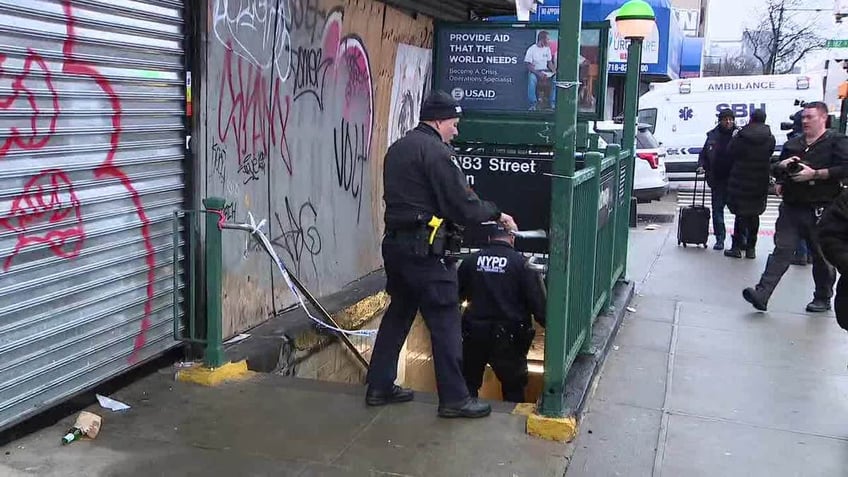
<point>751,252</point>
<point>819,305</point>
<point>735,250</point>
<point>395,395</point>
<point>471,408</point>
<point>756,297</point>
<point>733,253</point>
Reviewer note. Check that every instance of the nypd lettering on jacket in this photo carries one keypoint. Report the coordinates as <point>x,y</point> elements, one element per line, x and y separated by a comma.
<point>491,264</point>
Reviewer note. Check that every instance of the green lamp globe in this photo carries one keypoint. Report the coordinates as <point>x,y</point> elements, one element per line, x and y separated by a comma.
<point>635,19</point>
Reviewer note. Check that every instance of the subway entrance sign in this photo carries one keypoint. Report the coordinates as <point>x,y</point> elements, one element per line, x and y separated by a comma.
<point>519,183</point>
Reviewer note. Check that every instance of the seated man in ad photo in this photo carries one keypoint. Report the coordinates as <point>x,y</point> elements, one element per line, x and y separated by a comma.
<point>540,64</point>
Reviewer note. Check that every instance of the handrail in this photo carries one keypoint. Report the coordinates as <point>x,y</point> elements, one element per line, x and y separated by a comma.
<point>215,224</point>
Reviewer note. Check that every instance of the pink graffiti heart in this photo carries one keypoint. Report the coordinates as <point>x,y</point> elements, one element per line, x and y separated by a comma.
<point>351,64</point>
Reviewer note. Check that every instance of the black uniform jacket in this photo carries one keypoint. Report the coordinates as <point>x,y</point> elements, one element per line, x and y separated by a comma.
<point>420,177</point>
<point>499,286</point>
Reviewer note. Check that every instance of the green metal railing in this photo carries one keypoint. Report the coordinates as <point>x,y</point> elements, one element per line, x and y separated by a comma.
<point>186,328</point>
<point>622,215</point>
<point>581,266</point>
<point>605,276</point>
<point>210,334</point>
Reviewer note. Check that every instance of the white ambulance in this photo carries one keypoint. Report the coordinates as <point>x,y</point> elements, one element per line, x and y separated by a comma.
<point>682,111</point>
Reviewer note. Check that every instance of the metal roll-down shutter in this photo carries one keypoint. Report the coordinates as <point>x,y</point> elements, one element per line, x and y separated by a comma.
<point>92,161</point>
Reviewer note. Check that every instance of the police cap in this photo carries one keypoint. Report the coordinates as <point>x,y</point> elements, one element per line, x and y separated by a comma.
<point>438,106</point>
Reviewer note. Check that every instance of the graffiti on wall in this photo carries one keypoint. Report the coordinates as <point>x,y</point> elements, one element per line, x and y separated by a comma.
<point>294,120</point>
<point>412,76</point>
<point>48,212</point>
<point>255,31</point>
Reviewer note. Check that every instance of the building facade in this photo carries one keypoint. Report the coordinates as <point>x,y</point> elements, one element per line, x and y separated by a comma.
<point>115,118</point>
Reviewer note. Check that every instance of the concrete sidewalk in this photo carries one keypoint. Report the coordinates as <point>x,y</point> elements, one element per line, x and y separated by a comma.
<point>276,426</point>
<point>699,384</point>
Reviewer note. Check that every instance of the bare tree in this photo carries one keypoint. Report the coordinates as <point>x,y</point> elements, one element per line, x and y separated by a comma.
<point>738,65</point>
<point>780,41</point>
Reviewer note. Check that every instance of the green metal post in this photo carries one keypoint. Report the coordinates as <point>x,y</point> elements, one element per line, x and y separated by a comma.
<point>562,195</point>
<point>631,111</point>
<point>214,356</point>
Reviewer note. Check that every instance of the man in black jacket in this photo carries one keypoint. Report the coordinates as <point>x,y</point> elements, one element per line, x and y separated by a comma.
<point>808,175</point>
<point>501,294</point>
<point>748,186</point>
<point>715,161</point>
<point>426,195</point>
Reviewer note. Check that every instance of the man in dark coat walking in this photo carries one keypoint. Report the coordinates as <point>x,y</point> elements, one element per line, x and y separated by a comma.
<point>748,185</point>
<point>715,161</point>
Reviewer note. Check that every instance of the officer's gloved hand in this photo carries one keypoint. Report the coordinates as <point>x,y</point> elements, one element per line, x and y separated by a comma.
<point>508,222</point>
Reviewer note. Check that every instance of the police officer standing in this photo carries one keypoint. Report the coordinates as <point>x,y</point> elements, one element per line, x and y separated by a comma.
<point>426,196</point>
<point>500,293</point>
<point>808,175</point>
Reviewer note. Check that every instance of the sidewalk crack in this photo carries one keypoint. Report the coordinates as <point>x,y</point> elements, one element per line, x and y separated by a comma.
<point>662,437</point>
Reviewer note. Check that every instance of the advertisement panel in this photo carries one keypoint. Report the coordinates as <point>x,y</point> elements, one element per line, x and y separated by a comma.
<point>511,69</point>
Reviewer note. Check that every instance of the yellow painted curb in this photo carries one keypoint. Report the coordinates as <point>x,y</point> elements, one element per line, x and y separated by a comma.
<point>563,429</point>
<point>214,376</point>
<point>524,409</point>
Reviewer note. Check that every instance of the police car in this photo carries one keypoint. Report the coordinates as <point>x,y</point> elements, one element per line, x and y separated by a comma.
<point>650,181</point>
<point>680,112</point>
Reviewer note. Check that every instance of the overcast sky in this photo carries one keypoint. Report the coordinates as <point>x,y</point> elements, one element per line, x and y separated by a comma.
<point>729,18</point>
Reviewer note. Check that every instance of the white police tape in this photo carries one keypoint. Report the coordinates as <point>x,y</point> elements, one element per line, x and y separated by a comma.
<point>256,231</point>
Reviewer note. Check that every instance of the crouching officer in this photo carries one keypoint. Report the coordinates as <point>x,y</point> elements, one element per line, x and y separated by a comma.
<point>427,197</point>
<point>501,293</point>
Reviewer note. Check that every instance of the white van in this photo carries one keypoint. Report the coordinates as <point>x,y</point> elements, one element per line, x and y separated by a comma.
<point>682,111</point>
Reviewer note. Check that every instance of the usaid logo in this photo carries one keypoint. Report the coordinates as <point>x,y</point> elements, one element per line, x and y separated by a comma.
<point>459,94</point>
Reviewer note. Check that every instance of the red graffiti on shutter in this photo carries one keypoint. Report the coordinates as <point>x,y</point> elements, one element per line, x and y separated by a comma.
<point>23,101</point>
<point>108,169</point>
<point>48,202</point>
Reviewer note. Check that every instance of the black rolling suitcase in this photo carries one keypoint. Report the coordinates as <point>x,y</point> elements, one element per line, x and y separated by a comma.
<point>693,221</point>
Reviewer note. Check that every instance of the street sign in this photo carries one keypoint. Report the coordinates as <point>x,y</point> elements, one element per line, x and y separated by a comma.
<point>837,44</point>
<point>519,184</point>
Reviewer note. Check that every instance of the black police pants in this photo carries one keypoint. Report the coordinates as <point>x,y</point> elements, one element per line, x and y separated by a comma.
<point>429,284</point>
<point>796,223</point>
<point>484,344</point>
